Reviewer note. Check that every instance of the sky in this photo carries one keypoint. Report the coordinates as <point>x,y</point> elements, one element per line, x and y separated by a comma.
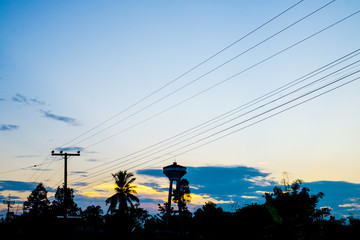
<point>239,92</point>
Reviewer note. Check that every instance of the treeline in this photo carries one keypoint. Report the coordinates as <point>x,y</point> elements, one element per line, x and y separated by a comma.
<point>289,212</point>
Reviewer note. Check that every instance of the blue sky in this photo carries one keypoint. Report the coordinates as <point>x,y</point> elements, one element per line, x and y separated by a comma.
<point>111,79</point>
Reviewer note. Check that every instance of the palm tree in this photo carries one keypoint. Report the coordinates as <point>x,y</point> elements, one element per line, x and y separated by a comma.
<point>124,193</point>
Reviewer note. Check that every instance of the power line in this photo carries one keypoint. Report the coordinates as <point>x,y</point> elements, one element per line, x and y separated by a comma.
<point>265,111</point>
<point>185,73</point>
<point>300,41</point>
<point>261,120</point>
<point>23,168</point>
<point>217,84</point>
<point>43,169</point>
<point>256,45</point>
<point>259,115</point>
<point>312,35</point>
<point>243,107</point>
<point>237,130</point>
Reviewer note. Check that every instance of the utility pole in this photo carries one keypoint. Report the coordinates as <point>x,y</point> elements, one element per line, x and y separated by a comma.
<point>61,153</point>
<point>8,203</point>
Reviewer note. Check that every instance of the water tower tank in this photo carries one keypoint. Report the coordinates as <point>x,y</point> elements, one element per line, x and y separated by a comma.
<point>174,171</point>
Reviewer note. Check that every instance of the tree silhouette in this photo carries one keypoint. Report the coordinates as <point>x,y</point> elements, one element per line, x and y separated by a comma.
<point>211,222</point>
<point>124,193</point>
<point>294,212</point>
<point>58,205</point>
<point>37,203</point>
<point>183,192</point>
<point>295,205</point>
<point>92,215</point>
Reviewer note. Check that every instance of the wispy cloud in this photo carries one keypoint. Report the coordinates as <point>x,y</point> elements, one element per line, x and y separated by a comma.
<point>35,102</point>
<point>65,119</point>
<point>352,205</point>
<point>80,184</point>
<point>23,99</point>
<point>20,98</point>
<point>8,127</point>
<point>92,160</point>
<point>7,185</point>
<point>78,172</point>
<point>28,156</point>
<point>2,99</point>
<point>81,174</point>
<point>70,149</point>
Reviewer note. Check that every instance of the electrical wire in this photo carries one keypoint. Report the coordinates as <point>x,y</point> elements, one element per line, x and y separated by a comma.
<point>265,112</point>
<point>243,107</point>
<point>207,73</point>
<point>311,36</point>
<point>177,78</point>
<point>23,168</point>
<point>261,120</point>
<point>223,81</point>
<point>186,72</point>
<point>237,130</point>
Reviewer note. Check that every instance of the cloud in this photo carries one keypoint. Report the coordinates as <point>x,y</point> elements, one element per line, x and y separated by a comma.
<point>78,172</point>
<point>8,127</point>
<point>70,149</point>
<point>2,198</point>
<point>342,197</point>
<point>20,186</point>
<point>249,197</point>
<point>2,99</point>
<point>23,99</point>
<point>245,185</point>
<point>86,199</point>
<point>79,184</point>
<point>41,169</point>
<point>20,98</point>
<point>227,186</point>
<point>221,184</point>
<point>350,205</point>
<point>28,156</point>
<point>69,120</point>
<point>92,160</point>
<point>17,185</point>
<point>91,194</point>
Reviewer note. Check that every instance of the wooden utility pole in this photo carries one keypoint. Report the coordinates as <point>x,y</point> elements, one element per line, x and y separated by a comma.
<point>8,202</point>
<point>61,153</point>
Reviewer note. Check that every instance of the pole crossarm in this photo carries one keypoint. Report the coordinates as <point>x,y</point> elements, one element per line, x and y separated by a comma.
<point>65,154</point>
<point>8,202</point>
<point>61,153</point>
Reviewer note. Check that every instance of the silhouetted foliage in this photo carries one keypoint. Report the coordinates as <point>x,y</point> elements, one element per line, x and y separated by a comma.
<point>183,192</point>
<point>38,203</point>
<point>296,205</point>
<point>122,216</point>
<point>58,205</point>
<point>92,215</point>
<point>162,208</point>
<point>288,213</point>
<point>211,222</point>
<point>124,193</point>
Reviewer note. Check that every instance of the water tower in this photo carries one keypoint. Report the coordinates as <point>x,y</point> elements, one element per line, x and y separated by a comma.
<point>174,172</point>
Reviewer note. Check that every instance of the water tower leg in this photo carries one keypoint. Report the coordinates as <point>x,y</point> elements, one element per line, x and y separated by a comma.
<point>180,208</point>
<point>169,203</point>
